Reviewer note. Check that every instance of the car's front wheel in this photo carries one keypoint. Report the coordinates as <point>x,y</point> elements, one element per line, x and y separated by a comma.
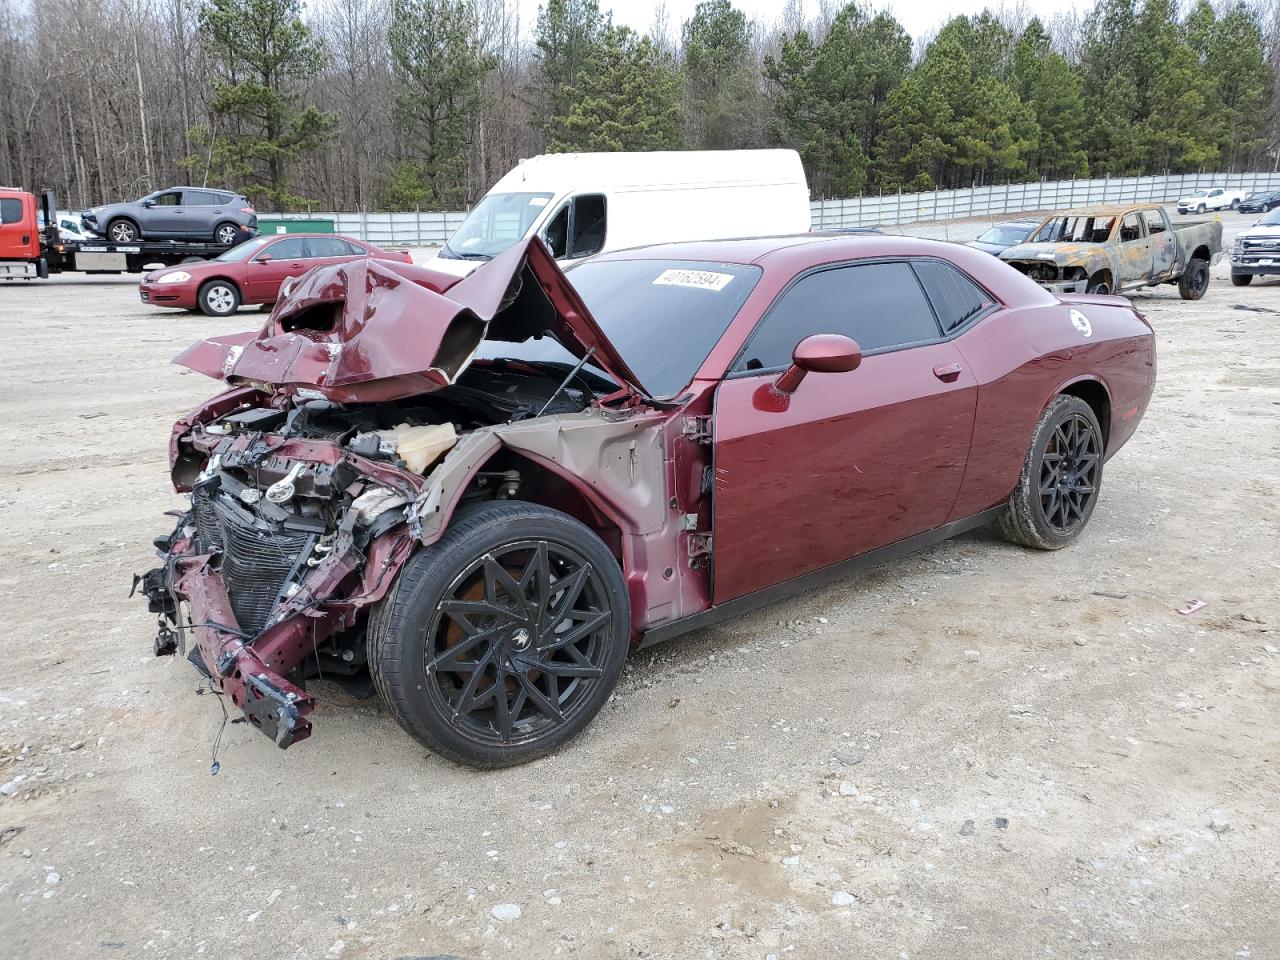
<point>1241,279</point>
<point>219,298</point>
<point>502,640</point>
<point>1060,479</point>
<point>122,231</point>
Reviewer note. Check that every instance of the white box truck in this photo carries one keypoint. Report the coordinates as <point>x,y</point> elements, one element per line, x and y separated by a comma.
<point>587,203</point>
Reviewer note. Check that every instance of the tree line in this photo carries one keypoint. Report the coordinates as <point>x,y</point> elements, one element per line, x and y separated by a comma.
<point>404,104</point>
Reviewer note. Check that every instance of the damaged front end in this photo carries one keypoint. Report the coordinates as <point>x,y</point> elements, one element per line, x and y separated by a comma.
<point>1058,267</point>
<point>339,450</point>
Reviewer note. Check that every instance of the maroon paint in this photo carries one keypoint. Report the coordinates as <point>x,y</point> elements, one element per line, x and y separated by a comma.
<point>854,461</point>
<point>845,463</point>
<point>257,281</point>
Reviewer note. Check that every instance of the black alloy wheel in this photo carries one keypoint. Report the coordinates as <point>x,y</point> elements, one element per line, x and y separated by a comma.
<point>517,641</point>
<point>1061,476</point>
<point>1194,282</point>
<point>502,640</point>
<point>1068,474</point>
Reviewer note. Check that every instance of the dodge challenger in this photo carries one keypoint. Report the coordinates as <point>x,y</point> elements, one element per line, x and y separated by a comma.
<point>474,497</point>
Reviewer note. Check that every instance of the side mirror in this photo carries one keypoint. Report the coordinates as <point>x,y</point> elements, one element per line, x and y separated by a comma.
<point>820,353</point>
<point>148,203</point>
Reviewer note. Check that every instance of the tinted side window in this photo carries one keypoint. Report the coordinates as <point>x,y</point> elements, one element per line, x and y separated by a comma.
<point>327,247</point>
<point>354,249</point>
<point>10,210</point>
<point>168,199</point>
<point>877,304</point>
<point>954,296</point>
<point>295,248</point>
<point>199,198</point>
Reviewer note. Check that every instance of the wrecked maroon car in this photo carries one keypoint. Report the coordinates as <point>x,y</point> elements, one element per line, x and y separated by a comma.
<point>476,496</point>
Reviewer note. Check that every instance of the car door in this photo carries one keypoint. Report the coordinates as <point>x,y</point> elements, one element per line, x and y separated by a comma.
<point>1133,251</point>
<point>326,250</point>
<point>269,267</point>
<point>1164,250</point>
<point>203,211</point>
<point>850,461</point>
<point>166,216</point>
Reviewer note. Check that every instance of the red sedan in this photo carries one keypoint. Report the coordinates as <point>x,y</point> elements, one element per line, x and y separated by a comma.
<point>476,496</point>
<point>253,271</point>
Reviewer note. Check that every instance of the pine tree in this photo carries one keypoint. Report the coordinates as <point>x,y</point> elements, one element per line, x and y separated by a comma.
<point>627,98</point>
<point>830,98</point>
<point>1049,85</point>
<point>567,36</point>
<point>722,90</point>
<point>260,53</point>
<point>440,73</point>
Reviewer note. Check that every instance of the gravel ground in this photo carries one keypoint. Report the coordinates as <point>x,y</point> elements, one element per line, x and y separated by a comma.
<point>978,751</point>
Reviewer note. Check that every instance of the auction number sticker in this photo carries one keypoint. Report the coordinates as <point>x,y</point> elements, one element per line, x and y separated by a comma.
<point>699,279</point>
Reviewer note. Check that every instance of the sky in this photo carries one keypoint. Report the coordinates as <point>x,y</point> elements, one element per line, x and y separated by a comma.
<point>919,17</point>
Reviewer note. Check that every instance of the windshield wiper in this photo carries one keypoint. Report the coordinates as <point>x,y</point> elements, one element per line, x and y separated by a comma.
<point>450,254</point>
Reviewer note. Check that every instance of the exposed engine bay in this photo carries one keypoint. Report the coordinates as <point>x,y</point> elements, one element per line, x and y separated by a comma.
<point>291,498</point>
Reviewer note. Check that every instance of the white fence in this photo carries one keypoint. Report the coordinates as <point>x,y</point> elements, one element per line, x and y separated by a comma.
<point>433,228</point>
<point>898,208</point>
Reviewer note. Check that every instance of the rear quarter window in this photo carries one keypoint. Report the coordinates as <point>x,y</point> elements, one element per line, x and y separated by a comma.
<point>956,299</point>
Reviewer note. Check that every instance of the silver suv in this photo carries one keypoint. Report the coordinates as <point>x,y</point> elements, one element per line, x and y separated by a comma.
<point>178,213</point>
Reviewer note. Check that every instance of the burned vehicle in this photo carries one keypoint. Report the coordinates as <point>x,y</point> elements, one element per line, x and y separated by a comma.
<point>476,496</point>
<point>1108,249</point>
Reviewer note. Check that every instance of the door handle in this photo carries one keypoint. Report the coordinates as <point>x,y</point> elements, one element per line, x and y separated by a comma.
<point>947,372</point>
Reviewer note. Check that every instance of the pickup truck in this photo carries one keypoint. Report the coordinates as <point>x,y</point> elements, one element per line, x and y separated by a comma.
<point>1256,252</point>
<point>1108,249</point>
<point>1213,198</point>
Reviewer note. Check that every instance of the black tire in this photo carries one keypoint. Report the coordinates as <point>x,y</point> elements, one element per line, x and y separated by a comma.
<point>1058,488</point>
<point>1235,204</point>
<point>1200,209</point>
<point>218,298</point>
<point>122,230</point>
<point>416,641</point>
<point>1194,281</point>
<point>42,268</point>
<point>226,233</point>
<point>1241,279</point>
<point>1098,283</point>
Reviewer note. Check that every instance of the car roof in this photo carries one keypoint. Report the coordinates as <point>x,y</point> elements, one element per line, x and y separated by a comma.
<point>1105,210</point>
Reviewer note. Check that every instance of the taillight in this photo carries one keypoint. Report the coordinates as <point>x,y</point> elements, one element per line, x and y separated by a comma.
<point>247,210</point>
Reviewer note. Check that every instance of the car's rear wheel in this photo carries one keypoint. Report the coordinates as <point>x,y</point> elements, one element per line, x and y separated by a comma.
<point>122,231</point>
<point>1235,204</point>
<point>502,640</point>
<point>1060,479</point>
<point>1194,281</point>
<point>226,233</point>
<point>219,298</point>
<point>1241,279</point>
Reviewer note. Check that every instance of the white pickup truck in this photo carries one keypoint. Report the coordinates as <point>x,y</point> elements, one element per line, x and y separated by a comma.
<point>1213,198</point>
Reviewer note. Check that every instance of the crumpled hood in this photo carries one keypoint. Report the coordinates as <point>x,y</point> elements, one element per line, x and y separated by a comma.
<point>372,330</point>
<point>1063,254</point>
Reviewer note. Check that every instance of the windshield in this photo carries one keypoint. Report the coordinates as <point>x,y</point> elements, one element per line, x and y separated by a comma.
<point>1074,230</point>
<point>1006,235</point>
<point>1200,193</point>
<point>497,221</point>
<point>1271,219</point>
<point>244,250</point>
<point>662,316</point>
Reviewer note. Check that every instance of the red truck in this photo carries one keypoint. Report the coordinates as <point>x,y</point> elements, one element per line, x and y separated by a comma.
<point>28,251</point>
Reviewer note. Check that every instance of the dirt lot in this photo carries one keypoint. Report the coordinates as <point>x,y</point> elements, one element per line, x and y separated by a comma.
<point>979,751</point>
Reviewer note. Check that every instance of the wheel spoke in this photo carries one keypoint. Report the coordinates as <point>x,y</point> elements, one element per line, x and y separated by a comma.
<point>468,699</point>
<point>561,669</point>
<point>577,632</point>
<point>545,706</point>
<point>501,709</point>
<point>570,593</point>
<point>497,579</point>
<point>451,660</point>
<point>461,612</point>
<point>537,575</point>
